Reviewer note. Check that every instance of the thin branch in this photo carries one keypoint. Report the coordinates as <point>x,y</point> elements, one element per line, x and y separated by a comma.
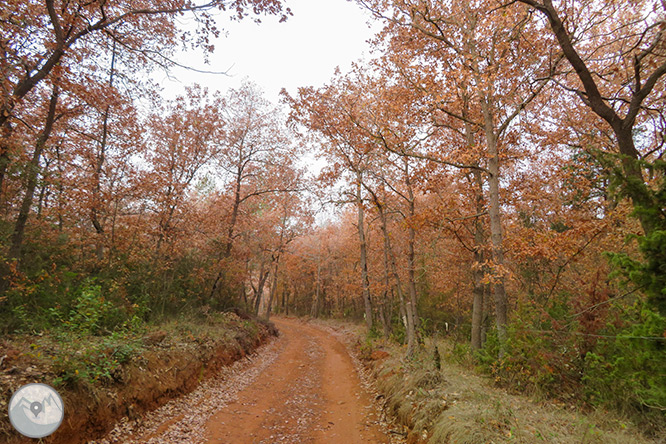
<point>563,266</point>
<point>592,307</point>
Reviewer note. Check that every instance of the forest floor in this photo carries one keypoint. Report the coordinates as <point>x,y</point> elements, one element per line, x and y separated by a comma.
<point>326,382</point>
<point>112,380</point>
<point>320,382</point>
<point>455,404</point>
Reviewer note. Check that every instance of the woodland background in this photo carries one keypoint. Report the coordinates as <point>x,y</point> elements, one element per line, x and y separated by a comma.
<point>494,173</point>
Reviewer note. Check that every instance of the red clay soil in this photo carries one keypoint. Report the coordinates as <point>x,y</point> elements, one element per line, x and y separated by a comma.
<point>310,394</point>
<point>148,382</point>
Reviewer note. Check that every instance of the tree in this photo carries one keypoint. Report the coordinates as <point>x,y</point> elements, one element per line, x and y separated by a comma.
<point>255,159</point>
<point>184,140</point>
<point>616,73</point>
<point>482,76</point>
<point>618,62</point>
<point>37,36</point>
<point>364,128</point>
<point>32,175</point>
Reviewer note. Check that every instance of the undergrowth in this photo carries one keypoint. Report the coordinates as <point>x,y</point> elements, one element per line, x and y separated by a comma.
<point>455,404</point>
<point>89,345</point>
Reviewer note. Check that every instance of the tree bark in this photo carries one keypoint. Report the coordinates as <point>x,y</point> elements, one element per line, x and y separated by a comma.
<point>6,131</point>
<point>365,281</point>
<point>389,258</point>
<point>592,97</point>
<point>495,226</point>
<point>234,214</point>
<point>478,271</point>
<point>383,312</point>
<point>411,264</point>
<point>633,172</point>
<point>259,291</point>
<point>32,172</point>
<point>385,317</point>
<point>20,90</point>
<point>274,285</point>
<point>226,253</point>
<point>316,302</point>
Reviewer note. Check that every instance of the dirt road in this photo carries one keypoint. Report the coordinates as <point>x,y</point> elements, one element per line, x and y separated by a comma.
<point>311,394</point>
<point>302,388</point>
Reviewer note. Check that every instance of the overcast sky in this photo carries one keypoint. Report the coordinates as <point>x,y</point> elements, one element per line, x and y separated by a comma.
<point>302,51</point>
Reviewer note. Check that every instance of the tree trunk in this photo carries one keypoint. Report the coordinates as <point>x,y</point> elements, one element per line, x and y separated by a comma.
<point>5,135</point>
<point>478,271</point>
<point>365,281</point>
<point>496,228</point>
<point>23,87</point>
<point>44,192</point>
<point>383,312</point>
<point>316,302</point>
<point>384,315</point>
<point>405,307</point>
<point>622,127</point>
<point>384,303</point>
<point>274,285</point>
<point>259,291</point>
<point>226,253</point>
<point>31,178</point>
<point>633,172</point>
<point>411,265</point>
<point>243,296</point>
<point>283,301</point>
<point>479,236</point>
<point>477,307</point>
<point>101,158</point>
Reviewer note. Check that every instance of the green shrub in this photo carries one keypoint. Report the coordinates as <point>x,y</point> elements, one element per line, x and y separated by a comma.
<point>93,313</point>
<point>83,360</point>
<point>628,371</point>
<point>542,350</point>
<point>648,274</point>
<point>460,353</point>
<point>29,304</point>
<point>620,366</point>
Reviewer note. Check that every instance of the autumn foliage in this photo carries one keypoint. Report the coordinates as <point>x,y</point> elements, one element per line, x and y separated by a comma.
<point>493,173</point>
<point>104,185</point>
<point>501,169</point>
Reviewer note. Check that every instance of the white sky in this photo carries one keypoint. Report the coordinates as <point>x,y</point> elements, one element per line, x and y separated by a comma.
<point>302,51</point>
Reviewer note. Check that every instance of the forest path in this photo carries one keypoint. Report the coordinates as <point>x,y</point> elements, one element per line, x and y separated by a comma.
<point>310,394</point>
<point>300,388</point>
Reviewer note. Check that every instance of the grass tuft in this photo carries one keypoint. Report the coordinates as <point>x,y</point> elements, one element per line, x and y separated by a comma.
<point>455,405</point>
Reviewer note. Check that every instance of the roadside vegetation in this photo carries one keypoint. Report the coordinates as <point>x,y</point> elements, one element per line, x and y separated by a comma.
<point>130,224</point>
<point>500,180</point>
<point>442,395</point>
<point>104,377</point>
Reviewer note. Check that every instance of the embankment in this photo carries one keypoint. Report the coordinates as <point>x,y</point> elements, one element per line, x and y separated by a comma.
<point>169,362</point>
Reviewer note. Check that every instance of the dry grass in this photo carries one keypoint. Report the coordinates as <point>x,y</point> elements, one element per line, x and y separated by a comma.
<point>455,405</point>
<point>484,413</point>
